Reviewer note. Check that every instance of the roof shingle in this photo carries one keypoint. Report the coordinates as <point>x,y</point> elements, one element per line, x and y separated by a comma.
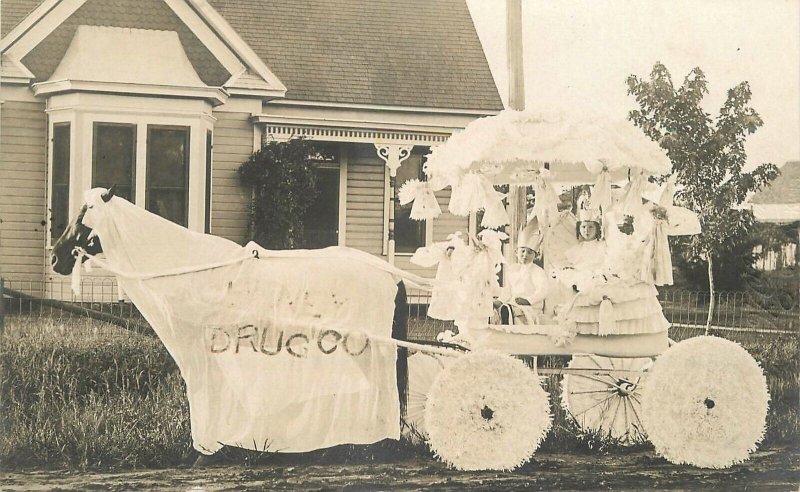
<point>141,14</point>
<point>12,12</point>
<point>418,53</point>
<point>784,189</point>
<point>421,53</point>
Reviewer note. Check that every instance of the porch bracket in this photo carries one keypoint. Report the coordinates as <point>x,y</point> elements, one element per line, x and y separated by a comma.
<point>393,156</point>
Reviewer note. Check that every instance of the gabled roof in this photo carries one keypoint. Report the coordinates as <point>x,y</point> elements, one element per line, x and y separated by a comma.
<point>39,40</point>
<point>784,189</point>
<point>419,53</point>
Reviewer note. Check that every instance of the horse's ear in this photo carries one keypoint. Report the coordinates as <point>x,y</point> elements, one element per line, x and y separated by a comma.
<point>109,194</point>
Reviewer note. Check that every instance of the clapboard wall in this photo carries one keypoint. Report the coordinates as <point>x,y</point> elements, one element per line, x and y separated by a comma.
<point>230,201</point>
<point>23,184</point>
<point>366,181</point>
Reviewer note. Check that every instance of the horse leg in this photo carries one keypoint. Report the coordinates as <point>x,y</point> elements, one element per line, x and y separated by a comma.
<point>400,332</point>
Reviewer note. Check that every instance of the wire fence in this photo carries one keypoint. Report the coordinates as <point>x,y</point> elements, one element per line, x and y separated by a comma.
<point>101,298</point>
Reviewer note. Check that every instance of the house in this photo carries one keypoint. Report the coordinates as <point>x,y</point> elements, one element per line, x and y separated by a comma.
<point>779,203</point>
<point>166,98</point>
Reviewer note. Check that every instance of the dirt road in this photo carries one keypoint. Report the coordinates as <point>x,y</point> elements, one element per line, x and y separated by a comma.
<point>771,469</point>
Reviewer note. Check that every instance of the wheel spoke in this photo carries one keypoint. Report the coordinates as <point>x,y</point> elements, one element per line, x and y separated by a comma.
<point>628,434</point>
<point>635,412</point>
<point>595,362</point>
<point>609,390</point>
<point>614,417</point>
<point>598,380</point>
<point>595,405</point>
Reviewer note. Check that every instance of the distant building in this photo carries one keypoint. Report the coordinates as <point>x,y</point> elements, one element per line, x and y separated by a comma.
<point>779,203</point>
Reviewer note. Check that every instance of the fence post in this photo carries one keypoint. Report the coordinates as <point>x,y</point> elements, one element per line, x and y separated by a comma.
<point>2,307</point>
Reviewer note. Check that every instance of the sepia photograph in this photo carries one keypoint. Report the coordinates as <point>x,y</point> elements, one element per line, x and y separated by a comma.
<point>399,245</point>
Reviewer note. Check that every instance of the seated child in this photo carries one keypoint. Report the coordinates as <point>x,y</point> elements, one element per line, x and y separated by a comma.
<point>523,297</point>
<point>608,298</point>
<point>586,260</point>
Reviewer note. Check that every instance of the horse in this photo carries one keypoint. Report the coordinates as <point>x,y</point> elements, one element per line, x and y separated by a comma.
<point>80,242</point>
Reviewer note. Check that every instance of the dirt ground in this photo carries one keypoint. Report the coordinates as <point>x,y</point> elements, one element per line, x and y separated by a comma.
<point>777,468</point>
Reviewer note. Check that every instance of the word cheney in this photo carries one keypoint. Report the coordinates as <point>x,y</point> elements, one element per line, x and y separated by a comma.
<point>271,340</point>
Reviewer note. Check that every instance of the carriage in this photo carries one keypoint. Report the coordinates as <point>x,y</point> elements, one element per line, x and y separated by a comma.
<point>702,401</point>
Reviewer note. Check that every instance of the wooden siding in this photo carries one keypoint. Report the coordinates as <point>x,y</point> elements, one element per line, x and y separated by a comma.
<point>364,214</point>
<point>233,144</point>
<point>23,183</point>
<point>365,195</point>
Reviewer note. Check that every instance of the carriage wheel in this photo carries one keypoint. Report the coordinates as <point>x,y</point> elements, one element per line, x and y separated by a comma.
<point>604,396</point>
<point>422,372</point>
<point>486,411</point>
<point>705,403</point>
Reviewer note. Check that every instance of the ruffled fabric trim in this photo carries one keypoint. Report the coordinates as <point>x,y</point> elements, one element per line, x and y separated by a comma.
<point>651,324</point>
<point>623,311</point>
<point>617,292</point>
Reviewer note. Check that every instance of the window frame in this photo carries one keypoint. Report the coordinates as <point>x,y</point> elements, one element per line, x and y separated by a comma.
<point>134,152</point>
<point>53,124</point>
<point>187,162</point>
<point>422,152</point>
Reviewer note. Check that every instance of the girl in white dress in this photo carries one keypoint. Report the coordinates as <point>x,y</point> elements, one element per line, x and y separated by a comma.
<point>523,297</point>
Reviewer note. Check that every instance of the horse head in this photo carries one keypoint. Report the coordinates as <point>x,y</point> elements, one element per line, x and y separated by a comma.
<point>76,236</point>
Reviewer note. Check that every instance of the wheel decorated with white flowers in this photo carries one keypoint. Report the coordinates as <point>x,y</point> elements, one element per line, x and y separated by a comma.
<point>486,411</point>
<point>705,403</point>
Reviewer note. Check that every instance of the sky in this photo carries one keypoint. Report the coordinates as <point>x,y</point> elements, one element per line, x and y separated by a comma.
<point>578,54</point>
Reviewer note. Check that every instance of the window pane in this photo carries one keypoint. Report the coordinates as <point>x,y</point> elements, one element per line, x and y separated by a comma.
<point>167,192</point>
<point>408,234</point>
<point>59,193</point>
<point>114,158</point>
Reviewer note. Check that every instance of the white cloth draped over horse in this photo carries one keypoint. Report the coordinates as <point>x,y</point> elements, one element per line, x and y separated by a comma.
<point>280,353</point>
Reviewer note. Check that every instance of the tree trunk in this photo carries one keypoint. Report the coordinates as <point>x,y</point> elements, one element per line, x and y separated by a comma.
<point>712,302</point>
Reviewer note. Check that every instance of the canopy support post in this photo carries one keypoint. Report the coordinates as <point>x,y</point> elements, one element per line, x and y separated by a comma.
<point>517,203</point>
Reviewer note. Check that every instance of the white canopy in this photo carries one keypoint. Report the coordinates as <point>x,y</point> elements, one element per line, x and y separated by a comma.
<point>507,147</point>
<point>523,148</point>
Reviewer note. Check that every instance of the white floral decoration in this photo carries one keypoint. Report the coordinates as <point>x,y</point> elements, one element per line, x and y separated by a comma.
<point>705,403</point>
<point>564,333</point>
<point>425,205</point>
<point>486,411</point>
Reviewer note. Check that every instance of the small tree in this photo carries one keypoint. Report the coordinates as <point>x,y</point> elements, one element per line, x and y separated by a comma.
<point>707,156</point>
<point>282,178</point>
